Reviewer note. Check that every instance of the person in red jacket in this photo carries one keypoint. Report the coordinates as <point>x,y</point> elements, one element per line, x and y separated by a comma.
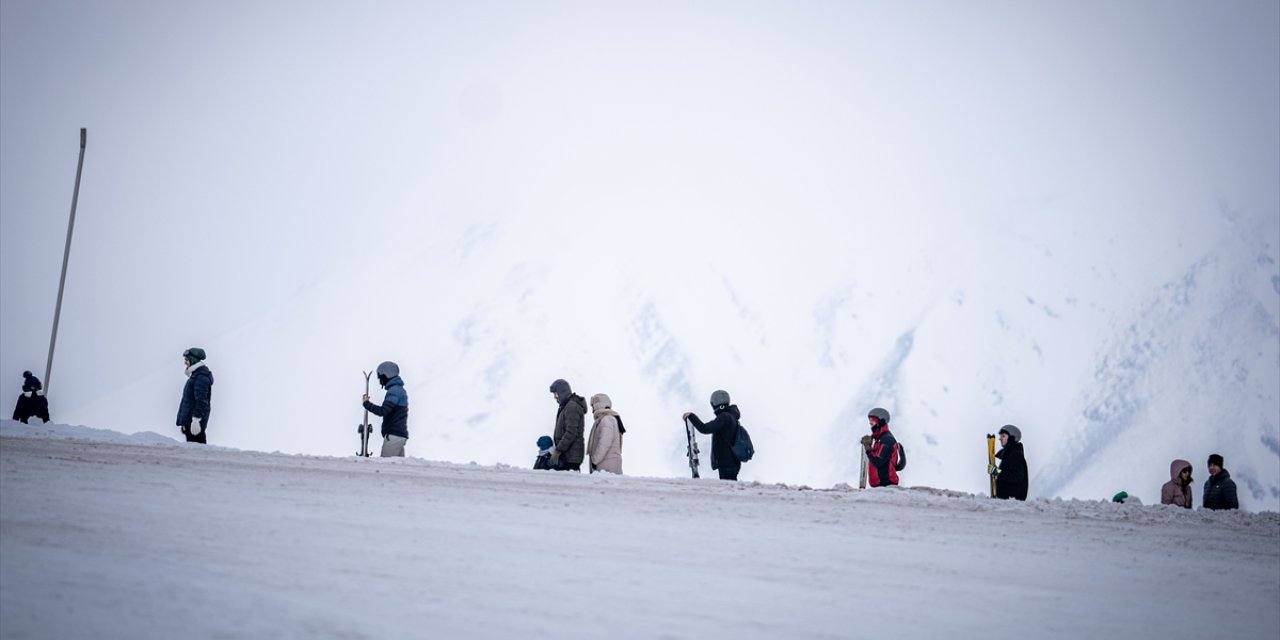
<point>882,450</point>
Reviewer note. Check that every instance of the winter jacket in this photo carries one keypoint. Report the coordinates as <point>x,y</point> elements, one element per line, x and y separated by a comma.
<point>197,396</point>
<point>570,422</point>
<point>882,458</point>
<point>1012,481</point>
<point>723,430</point>
<point>605,444</point>
<point>1220,492</point>
<point>31,383</point>
<point>394,409</point>
<point>1175,491</point>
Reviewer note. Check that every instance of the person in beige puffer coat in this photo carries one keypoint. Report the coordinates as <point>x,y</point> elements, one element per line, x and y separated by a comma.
<point>1177,490</point>
<point>604,447</point>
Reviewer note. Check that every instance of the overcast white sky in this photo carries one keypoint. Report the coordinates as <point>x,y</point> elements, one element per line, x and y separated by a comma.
<point>242,152</point>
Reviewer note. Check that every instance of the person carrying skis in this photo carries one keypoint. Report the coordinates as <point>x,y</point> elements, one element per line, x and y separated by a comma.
<point>604,447</point>
<point>1011,476</point>
<point>1219,489</point>
<point>394,410</point>
<point>197,396</point>
<point>1177,491</point>
<point>882,450</point>
<point>723,430</point>
<point>570,421</point>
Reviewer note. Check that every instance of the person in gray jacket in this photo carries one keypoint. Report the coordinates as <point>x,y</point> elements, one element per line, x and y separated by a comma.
<point>570,423</point>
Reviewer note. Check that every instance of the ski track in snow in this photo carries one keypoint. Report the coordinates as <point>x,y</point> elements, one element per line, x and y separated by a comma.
<point>104,535</point>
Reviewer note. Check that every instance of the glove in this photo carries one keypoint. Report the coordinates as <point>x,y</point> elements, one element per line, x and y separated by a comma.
<point>555,457</point>
<point>993,470</point>
<point>195,426</point>
<point>866,442</point>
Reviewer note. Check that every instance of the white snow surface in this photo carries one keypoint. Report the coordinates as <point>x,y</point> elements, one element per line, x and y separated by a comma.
<point>104,535</point>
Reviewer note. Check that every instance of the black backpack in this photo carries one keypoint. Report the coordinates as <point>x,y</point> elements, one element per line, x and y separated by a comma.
<point>902,457</point>
<point>743,450</point>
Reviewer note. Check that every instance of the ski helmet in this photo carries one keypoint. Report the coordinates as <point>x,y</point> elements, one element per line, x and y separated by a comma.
<point>1014,433</point>
<point>879,414</point>
<point>388,370</point>
<point>719,398</point>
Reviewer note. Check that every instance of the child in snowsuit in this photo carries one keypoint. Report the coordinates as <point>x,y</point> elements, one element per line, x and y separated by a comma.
<point>543,461</point>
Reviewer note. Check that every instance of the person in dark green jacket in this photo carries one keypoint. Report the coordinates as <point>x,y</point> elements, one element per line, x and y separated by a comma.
<point>569,448</point>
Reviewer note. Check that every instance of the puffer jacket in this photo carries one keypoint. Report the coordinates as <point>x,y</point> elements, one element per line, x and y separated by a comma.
<point>197,396</point>
<point>394,409</point>
<point>1013,480</point>
<point>570,420</point>
<point>605,444</point>
<point>1220,492</point>
<point>1174,491</point>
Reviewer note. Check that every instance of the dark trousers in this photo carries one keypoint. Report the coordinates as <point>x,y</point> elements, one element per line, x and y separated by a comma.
<point>565,466</point>
<point>730,473</point>
<point>191,438</point>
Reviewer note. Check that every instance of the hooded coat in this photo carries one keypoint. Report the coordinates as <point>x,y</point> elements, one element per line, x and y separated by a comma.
<point>1012,481</point>
<point>604,446</point>
<point>723,430</point>
<point>570,421</point>
<point>197,396</point>
<point>1175,491</point>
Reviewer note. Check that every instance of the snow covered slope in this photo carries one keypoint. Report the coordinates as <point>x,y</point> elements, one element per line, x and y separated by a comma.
<point>110,536</point>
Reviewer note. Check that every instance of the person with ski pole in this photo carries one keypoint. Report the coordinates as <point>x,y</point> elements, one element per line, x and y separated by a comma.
<point>1011,476</point>
<point>394,410</point>
<point>882,450</point>
<point>723,429</point>
<point>197,397</point>
<point>570,422</point>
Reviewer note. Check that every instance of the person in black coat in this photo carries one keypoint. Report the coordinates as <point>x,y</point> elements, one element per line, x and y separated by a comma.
<point>1219,489</point>
<point>1011,475</point>
<point>723,430</point>
<point>197,396</point>
<point>32,403</point>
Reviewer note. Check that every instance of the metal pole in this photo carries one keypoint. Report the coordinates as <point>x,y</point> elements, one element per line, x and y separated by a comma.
<point>66,254</point>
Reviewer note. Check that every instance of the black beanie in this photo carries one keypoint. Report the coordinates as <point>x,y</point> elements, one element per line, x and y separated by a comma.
<point>1215,459</point>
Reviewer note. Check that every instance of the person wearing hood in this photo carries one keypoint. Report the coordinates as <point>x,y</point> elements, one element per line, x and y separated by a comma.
<point>197,396</point>
<point>1177,491</point>
<point>1011,476</point>
<point>882,450</point>
<point>394,410</point>
<point>1219,489</point>
<point>723,430</point>
<point>604,446</point>
<point>570,422</point>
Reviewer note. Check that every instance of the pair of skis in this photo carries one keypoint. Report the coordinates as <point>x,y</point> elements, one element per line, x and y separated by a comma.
<point>365,428</point>
<point>692,450</point>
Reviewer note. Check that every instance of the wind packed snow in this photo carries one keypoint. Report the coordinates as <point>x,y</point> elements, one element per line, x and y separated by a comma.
<point>104,535</point>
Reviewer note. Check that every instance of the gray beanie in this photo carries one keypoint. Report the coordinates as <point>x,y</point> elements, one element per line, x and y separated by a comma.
<point>719,398</point>
<point>1013,432</point>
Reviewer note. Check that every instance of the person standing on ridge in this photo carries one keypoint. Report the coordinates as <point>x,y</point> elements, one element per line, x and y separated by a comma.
<point>604,447</point>
<point>882,450</point>
<point>1219,489</point>
<point>723,430</point>
<point>197,396</point>
<point>1011,476</point>
<point>570,422</point>
<point>32,403</point>
<point>1177,491</point>
<point>394,410</point>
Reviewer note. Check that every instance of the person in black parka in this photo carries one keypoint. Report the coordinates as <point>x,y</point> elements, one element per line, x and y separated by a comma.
<point>723,430</point>
<point>1219,489</point>
<point>197,396</point>
<point>32,403</point>
<point>1011,475</point>
<point>570,447</point>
